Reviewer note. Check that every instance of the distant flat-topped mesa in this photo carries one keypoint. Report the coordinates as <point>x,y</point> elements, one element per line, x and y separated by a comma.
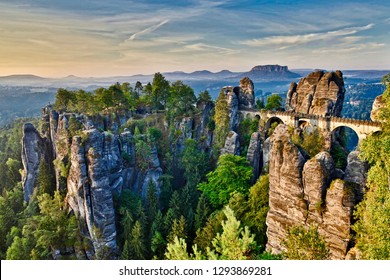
<point>267,72</point>
<point>320,93</point>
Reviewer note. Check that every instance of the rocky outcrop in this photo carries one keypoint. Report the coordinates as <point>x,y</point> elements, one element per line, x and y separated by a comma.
<point>267,145</point>
<point>34,150</point>
<point>376,106</point>
<point>246,94</point>
<point>232,100</point>
<point>232,144</point>
<point>254,155</point>
<point>317,175</point>
<point>319,93</point>
<point>239,98</point>
<point>287,206</point>
<point>337,218</point>
<point>355,172</point>
<point>302,193</point>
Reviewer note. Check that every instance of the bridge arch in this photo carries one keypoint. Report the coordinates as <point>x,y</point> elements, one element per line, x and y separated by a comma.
<point>271,125</point>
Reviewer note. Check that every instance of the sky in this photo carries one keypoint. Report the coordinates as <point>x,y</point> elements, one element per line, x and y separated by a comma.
<point>95,38</point>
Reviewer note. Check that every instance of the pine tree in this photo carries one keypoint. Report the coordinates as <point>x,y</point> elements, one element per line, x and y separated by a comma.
<point>177,250</point>
<point>202,212</point>
<point>234,243</point>
<point>137,243</point>
<point>178,229</point>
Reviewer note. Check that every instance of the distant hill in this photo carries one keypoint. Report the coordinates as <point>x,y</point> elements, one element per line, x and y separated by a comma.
<point>270,73</point>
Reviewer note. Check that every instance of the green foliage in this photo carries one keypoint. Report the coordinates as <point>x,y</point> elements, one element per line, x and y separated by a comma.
<point>252,212</point>
<point>305,244</point>
<point>373,213</point>
<point>45,178</point>
<point>160,91</point>
<point>312,142</point>
<point>245,130</point>
<point>339,155</point>
<point>181,100</point>
<point>52,229</point>
<point>274,102</point>
<point>233,174</point>
<point>194,162</point>
<point>204,96</point>
<point>178,229</point>
<point>234,243</point>
<point>143,154</point>
<point>202,211</point>
<point>221,119</point>
<point>260,104</point>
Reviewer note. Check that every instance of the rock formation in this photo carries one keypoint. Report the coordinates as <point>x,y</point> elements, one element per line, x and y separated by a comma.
<point>287,206</point>
<point>232,144</point>
<point>246,94</point>
<point>34,149</point>
<point>239,98</point>
<point>94,162</point>
<point>376,106</point>
<point>254,155</point>
<point>355,172</point>
<point>319,93</point>
<point>305,192</point>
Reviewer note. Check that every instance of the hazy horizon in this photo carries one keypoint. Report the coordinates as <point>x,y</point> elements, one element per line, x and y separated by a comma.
<point>96,38</point>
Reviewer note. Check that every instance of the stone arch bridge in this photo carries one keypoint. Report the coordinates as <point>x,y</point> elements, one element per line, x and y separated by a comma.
<point>326,124</point>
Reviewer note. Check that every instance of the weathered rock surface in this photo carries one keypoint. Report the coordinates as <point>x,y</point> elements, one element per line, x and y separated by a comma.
<point>286,193</point>
<point>355,172</point>
<point>267,145</point>
<point>246,94</point>
<point>337,218</point>
<point>376,106</point>
<point>317,174</point>
<point>319,93</point>
<point>232,144</point>
<point>302,193</point>
<point>233,103</point>
<point>34,149</point>
<point>254,155</point>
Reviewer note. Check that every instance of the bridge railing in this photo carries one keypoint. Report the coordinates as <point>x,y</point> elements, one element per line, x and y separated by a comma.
<point>319,117</point>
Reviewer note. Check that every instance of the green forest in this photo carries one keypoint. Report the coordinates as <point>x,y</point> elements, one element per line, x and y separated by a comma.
<point>208,207</point>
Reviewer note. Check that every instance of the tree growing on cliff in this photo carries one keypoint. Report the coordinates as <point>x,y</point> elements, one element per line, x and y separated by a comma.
<point>221,119</point>
<point>305,244</point>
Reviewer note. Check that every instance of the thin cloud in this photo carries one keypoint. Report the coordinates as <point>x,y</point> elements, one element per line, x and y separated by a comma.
<point>286,41</point>
<point>147,30</point>
<point>356,48</point>
<point>205,47</point>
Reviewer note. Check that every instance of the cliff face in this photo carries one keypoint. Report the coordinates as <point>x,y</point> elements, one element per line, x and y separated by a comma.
<point>319,93</point>
<point>308,192</point>
<point>94,162</point>
<point>34,150</point>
